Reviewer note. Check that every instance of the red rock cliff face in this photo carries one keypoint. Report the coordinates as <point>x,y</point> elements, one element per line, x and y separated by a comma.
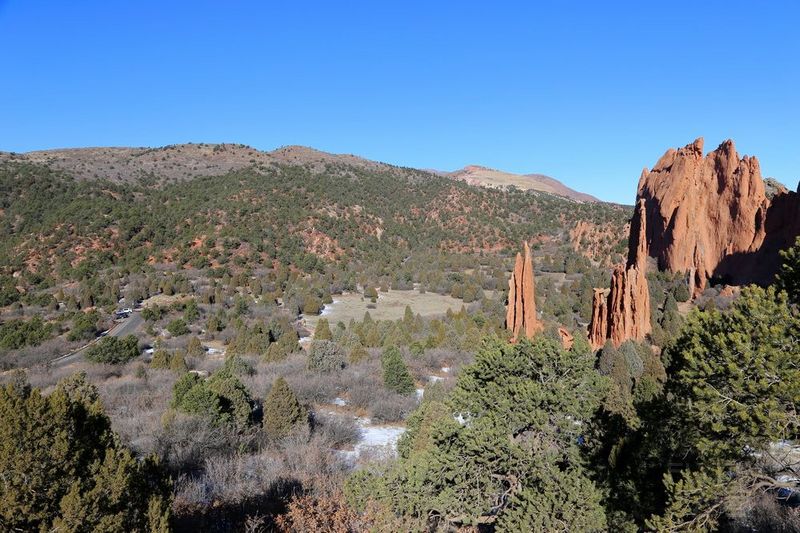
<point>521,316</point>
<point>623,312</point>
<point>709,216</point>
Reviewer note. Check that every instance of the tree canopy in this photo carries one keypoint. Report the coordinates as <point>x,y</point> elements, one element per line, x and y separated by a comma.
<point>501,448</point>
<point>64,469</point>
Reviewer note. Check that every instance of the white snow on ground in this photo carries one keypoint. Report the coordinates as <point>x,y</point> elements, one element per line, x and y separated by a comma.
<point>376,440</point>
<point>434,379</point>
<point>341,402</point>
<point>304,340</point>
<point>420,392</point>
<point>378,436</point>
<point>328,308</point>
<point>445,369</point>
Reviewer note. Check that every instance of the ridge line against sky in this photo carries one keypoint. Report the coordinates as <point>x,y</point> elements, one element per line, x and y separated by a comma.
<point>588,94</point>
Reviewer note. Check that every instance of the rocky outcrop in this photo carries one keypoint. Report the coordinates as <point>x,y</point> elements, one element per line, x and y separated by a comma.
<point>711,216</point>
<point>598,325</point>
<point>521,319</point>
<point>567,340</point>
<point>623,312</point>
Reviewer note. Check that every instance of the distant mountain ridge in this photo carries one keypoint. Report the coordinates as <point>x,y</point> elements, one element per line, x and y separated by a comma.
<point>179,162</point>
<point>489,177</point>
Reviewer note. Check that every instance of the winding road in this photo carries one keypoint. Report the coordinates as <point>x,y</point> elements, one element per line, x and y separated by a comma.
<point>125,327</point>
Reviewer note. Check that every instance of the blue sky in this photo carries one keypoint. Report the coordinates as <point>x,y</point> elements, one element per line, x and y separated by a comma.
<point>587,92</point>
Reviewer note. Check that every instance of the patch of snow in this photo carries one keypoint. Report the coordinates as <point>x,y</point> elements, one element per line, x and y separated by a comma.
<point>445,369</point>
<point>375,440</point>
<point>304,340</point>
<point>341,402</point>
<point>434,379</point>
<point>420,392</point>
<point>378,438</point>
<point>328,308</point>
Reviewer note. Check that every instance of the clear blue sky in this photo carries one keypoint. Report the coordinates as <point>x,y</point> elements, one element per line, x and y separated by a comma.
<point>587,92</point>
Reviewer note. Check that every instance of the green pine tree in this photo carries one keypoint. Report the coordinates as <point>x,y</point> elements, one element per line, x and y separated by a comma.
<point>63,469</point>
<point>282,410</point>
<point>357,354</point>
<point>733,390</point>
<point>323,331</point>
<point>502,450</point>
<point>160,360</point>
<point>788,278</point>
<point>177,363</point>
<point>396,376</point>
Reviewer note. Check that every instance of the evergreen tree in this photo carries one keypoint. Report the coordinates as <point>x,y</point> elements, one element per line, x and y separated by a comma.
<point>177,363</point>
<point>370,293</point>
<point>233,396</point>
<point>178,327</point>
<point>502,452</point>
<point>325,356</point>
<point>788,278</point>
<point>323,331</point>
<point>408,316</point>
<point>396,376</point>
<point>282,410</point>
<point>285,345</point>
<point>357,354</point>
<point>84,326</point>
<point>733,390</point>
<point>114,350</point>
<point>64,470</point>
<point>160,360</point>
<point>191,312</point>
<point>194,348</point>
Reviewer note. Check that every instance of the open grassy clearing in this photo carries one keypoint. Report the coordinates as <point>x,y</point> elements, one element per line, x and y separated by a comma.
<point>390,306</point>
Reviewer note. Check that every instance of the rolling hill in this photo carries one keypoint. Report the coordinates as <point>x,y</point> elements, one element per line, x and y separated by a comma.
<point>489,177</point>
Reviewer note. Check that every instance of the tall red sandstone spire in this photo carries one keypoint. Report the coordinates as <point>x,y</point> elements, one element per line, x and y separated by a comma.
<point>521,316</point>
<point>624,313</point>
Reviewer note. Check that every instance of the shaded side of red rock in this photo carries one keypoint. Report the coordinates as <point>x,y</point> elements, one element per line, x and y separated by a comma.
<point>598,326</point>
<point>623,312</point>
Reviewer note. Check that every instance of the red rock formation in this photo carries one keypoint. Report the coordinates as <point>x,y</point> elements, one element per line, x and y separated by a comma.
<point>710,216</point>
<point>624,313</point>
<point>598,326</point>
<point>567,340</point>
<point>707,216</point>
<point>521,316</point>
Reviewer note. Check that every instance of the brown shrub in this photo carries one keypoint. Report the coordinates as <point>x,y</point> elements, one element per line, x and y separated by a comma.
<point>328,514</point>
